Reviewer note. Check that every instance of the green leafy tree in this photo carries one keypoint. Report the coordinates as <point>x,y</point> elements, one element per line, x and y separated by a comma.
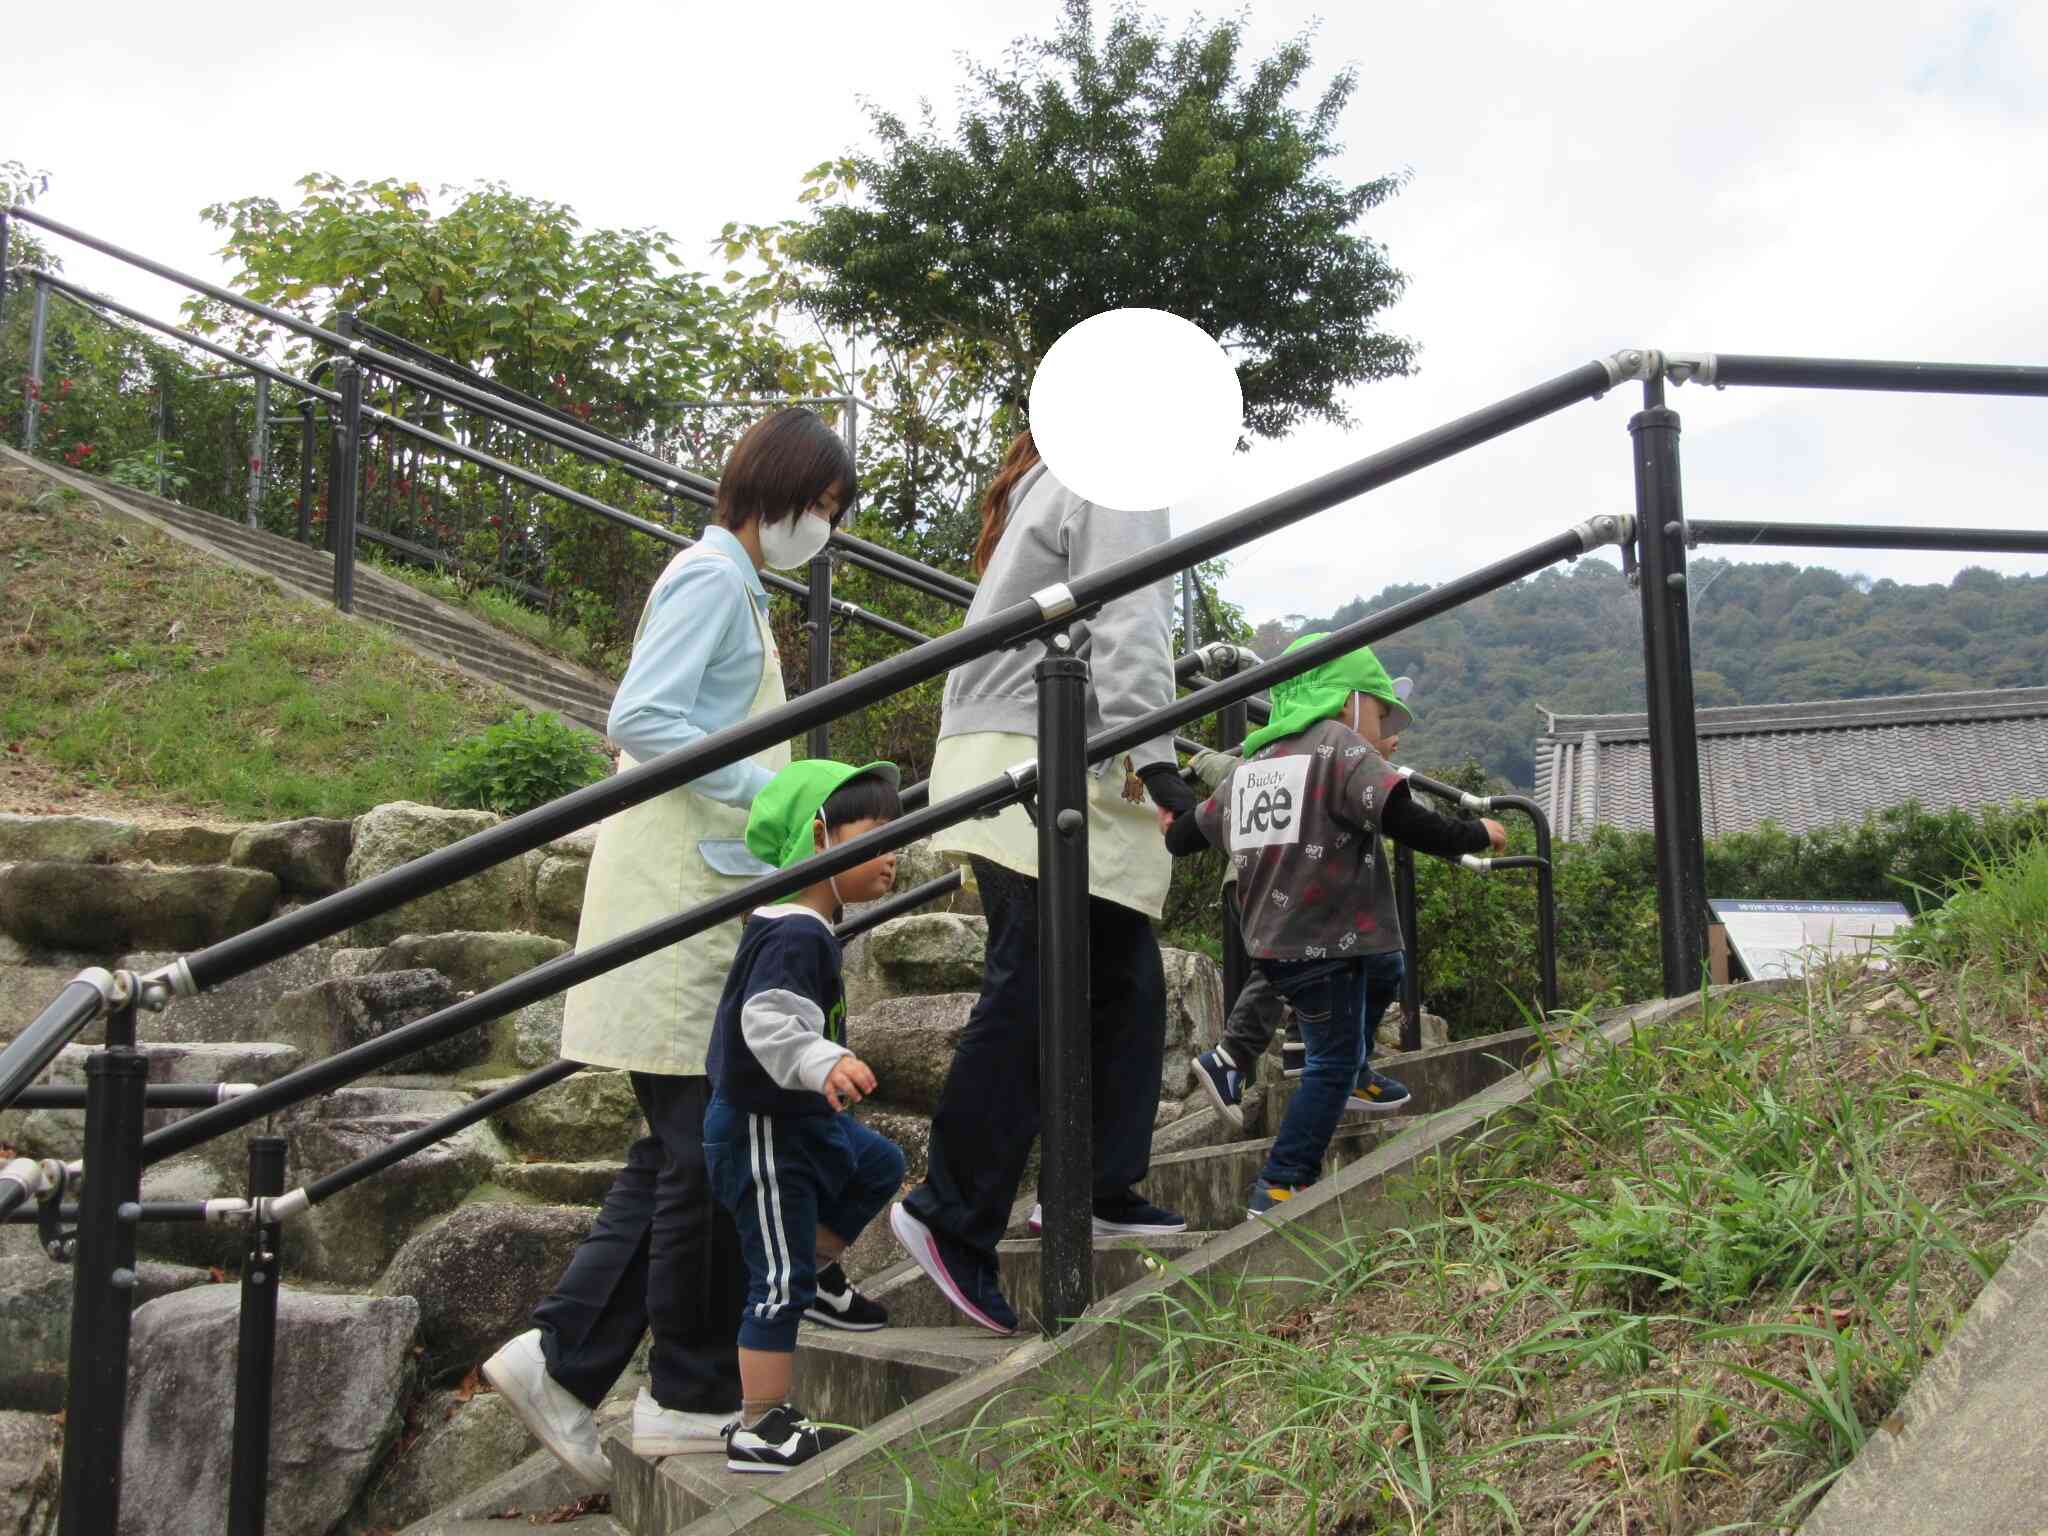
<point>1100,169</point>
<point>604,319</point>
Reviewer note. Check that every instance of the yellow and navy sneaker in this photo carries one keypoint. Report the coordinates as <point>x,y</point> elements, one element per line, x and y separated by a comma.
<point>1266,1198</point>
<point>1378,1094</point>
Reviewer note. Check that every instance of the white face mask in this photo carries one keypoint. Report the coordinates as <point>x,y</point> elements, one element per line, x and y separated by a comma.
<point>788,545</point>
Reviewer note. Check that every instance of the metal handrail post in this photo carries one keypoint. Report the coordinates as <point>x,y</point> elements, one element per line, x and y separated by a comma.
<point>256,1343</point>
<point>259,448</point>
<point>1237,965</point>
<point>309,445</point>
<point>819,625</point>
<point>1066,1179</point>
<point>38,330</point>
<point>341,495</point>
<point>6,229</point>
<point>1667,672</point>
<point>103,1299</point>
<point>1411,951</point>
<point>1546,896</point>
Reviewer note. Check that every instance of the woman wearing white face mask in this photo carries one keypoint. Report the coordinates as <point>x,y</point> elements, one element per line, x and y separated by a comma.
<point>663,1253</point>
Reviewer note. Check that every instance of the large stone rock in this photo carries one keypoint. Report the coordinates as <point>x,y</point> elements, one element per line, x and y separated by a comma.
<point>191,843</point>
<point>335,1015</point>
<point>76,839</point>
<point>344,1365</point>
<point>99,840</point>
<point>1194,1015</point>
<point>929,952</point>
<point>35,1326</point>
<point>461,1444</point>
<point>308,856</point>
<point>27,988</point>
<point>110,908</point>
<point>590,1115</point>
<point>30,1471</point>
<point>476,962</point>
<point>919,864</point>
<point>909,1041</point>
<point>351,1237</point>
<point>1436,1030</point>
<point>559,1183</point>
<point>558,883</point>
<point>478,1274</point>
<point>233,1010</point>
<point>195,1175</point>
<point>392,835</point>
<point>910,1131</point>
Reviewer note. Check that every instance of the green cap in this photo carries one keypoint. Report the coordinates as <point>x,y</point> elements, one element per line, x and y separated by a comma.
<point>1323,692</point>
<point>779,825</point>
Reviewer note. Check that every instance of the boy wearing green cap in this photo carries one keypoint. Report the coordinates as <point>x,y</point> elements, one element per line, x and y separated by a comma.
<point>1227,1070</point>
<point>1302,817</point>
<point>801,1179</point>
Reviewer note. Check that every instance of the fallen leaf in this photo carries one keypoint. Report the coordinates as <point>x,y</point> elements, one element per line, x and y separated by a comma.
<point>471,1384</point>
<point>216,1274</point>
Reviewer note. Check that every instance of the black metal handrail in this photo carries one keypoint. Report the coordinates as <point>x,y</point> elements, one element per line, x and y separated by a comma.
<point>86,298</point>
<point>702,489</point>
<point>544,980</point>
<point>540,420</point>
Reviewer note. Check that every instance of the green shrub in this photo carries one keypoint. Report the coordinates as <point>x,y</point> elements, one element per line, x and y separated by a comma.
<point>518,764</point>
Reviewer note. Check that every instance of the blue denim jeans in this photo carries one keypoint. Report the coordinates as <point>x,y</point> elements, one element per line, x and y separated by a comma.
<point>1333,1000</point>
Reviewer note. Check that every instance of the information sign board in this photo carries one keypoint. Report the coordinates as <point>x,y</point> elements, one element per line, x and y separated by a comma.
<point>1780,938</point>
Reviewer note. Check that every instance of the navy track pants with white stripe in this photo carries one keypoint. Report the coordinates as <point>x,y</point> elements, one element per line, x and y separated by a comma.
<point>783,1177</point>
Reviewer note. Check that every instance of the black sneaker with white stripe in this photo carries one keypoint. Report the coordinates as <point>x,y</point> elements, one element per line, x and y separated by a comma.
<point>782,1439</point>
<point>839,1305</point>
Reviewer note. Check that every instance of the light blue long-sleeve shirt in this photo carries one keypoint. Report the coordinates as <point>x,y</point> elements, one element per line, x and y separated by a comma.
<point>696,665</point>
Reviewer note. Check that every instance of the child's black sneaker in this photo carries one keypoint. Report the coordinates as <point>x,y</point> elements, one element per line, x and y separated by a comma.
<point>1218,1074</point>
<point>783,1438</point>
<point>839,1305</point>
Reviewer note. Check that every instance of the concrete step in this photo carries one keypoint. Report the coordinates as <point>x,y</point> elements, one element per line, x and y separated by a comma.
<point>469,644</point>
<point>915,1302</point>
<point>1211,1185</point>
<point>847,1379</point>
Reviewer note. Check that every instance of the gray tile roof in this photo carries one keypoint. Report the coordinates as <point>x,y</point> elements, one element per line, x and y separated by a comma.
<point>1804,765</point>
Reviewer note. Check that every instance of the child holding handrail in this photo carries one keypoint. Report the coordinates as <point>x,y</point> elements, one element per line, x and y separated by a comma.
<point>1302,816</point>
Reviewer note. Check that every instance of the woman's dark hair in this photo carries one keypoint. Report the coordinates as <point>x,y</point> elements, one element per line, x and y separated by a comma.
<point>995,501</point>
<point>783,464</point>
<point>870,797</point>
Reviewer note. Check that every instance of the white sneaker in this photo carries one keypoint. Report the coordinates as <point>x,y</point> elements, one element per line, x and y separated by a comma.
<point>659,1431</point>
<point>519,1374</point>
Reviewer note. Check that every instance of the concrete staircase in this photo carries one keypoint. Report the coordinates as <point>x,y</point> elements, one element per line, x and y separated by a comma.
<point>433,628</point>
<point>905,1386</point>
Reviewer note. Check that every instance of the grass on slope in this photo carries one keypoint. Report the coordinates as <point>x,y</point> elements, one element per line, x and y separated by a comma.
<point>138,667</point>
<point>1677,1299</point>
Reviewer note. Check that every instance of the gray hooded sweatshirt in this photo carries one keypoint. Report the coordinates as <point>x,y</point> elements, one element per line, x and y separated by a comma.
<point>1054,536</point>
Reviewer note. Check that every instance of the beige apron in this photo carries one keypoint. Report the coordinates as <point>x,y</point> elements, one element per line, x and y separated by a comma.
<point>1127,858</point>
<point>655,1015</point>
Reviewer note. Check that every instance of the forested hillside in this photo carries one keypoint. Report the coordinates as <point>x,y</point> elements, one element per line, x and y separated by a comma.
<point>1571,639</point>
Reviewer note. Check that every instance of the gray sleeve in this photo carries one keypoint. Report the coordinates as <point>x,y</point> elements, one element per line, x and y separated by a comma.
<point>1129,643</point>
<point>786,1033</point>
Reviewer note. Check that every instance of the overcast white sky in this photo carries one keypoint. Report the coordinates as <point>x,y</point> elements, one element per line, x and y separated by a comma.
<point>1833,180</point>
